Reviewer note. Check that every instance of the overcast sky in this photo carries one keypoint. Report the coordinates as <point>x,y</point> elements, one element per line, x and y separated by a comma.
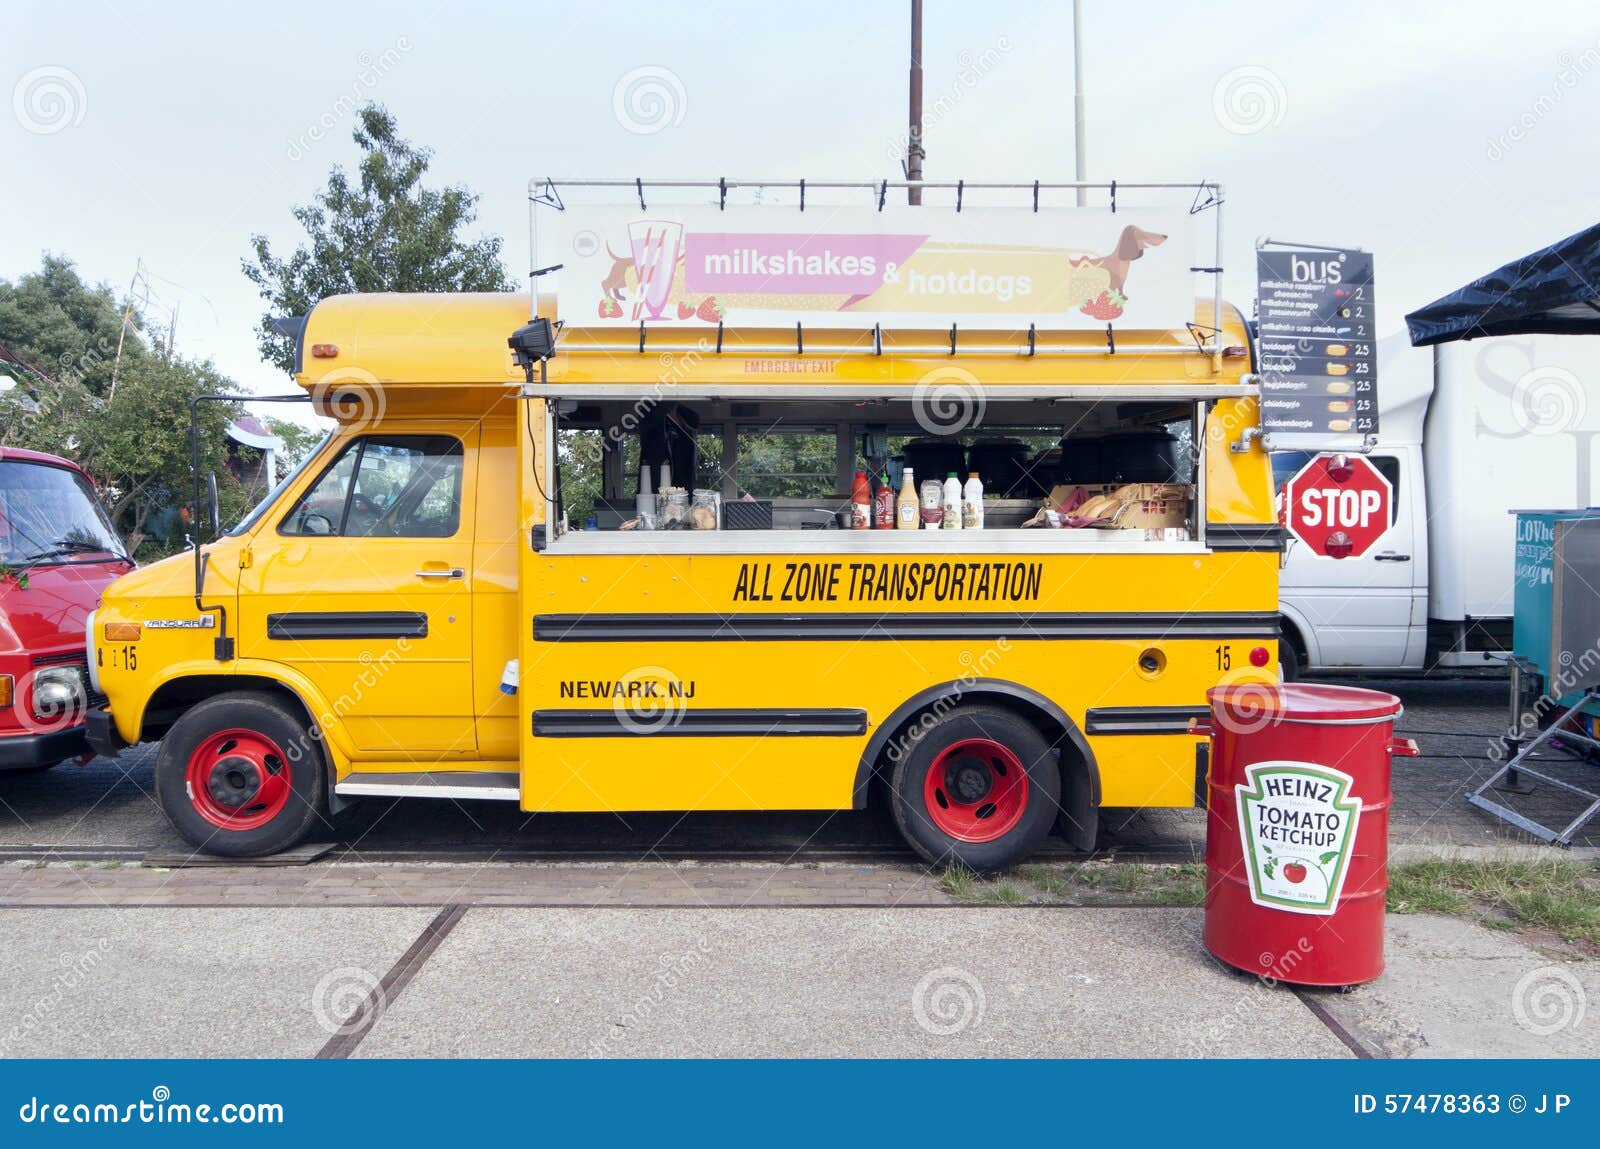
<point>1446,139</point>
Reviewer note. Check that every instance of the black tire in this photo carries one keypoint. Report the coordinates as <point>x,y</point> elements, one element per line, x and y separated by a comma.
<point>1289,668</point>
<point>298,756</point>
<point>926,746</point>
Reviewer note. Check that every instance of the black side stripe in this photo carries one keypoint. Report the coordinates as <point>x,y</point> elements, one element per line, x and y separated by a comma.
<point>774,627</point>
<point>704,723</point>
<point>1246,537</point>
<point>348,624</point>
<point>1141,719</point>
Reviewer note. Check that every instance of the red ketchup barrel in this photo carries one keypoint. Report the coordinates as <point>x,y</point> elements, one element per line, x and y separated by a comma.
<point>1297,829</point>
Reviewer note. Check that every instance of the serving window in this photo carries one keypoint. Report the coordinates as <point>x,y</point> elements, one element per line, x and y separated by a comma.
<point>731,474</point>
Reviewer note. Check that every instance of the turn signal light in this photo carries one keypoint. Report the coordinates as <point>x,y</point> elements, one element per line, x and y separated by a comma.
<point>5,690</point>
<point>324,350</point>
<point>123,631</point>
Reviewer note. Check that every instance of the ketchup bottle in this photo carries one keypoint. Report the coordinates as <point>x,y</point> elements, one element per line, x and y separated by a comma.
<point>861,503</point>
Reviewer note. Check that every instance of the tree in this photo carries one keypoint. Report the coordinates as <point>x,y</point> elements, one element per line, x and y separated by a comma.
<point>298,442</point>
<point>63,328</point>
<point>384,231</point>
<point>62,336</point>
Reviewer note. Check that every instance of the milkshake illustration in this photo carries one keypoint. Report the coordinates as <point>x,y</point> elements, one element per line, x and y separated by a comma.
<point>655,245</point>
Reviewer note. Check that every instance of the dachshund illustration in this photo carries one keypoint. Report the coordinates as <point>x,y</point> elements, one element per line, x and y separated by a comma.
<point>615,284</point>
<point>1130,246</point>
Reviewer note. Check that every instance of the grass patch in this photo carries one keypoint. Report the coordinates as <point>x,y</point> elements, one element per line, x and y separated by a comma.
<point>1082,882</point>
<point>1557,894</point>
<point>959,882</point>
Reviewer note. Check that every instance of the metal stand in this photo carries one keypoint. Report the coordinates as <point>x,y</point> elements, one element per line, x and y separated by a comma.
<point>1512,772</point>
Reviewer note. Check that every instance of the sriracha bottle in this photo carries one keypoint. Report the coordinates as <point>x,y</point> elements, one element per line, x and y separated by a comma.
<point>883,505</point>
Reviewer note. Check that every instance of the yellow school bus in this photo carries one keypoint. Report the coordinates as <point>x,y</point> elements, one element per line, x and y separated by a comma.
<point>459,594</point>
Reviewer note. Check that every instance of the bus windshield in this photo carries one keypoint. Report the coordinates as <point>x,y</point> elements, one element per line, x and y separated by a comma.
<point>50,514</point>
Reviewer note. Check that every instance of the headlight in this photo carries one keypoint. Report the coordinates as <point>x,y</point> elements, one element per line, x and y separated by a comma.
<point>57,691</point>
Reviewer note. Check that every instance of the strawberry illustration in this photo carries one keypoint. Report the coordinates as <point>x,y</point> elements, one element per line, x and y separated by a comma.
<point>685,310</point>
<point>1294,873</point>
<point>1106,306</point>
<point>709,310</point>
<point>610,309</point>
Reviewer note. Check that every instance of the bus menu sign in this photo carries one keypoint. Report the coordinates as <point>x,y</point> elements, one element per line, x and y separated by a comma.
<point>1319,373</point>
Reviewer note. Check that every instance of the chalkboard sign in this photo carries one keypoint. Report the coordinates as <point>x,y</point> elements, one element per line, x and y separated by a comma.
<point>1317,361</point>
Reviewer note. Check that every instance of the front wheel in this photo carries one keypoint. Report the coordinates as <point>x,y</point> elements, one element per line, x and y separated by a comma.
<point>979,787</point>
<point>240,776</point>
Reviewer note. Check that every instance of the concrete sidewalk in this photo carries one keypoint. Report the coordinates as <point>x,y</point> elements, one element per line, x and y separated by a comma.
<point>920,981</point>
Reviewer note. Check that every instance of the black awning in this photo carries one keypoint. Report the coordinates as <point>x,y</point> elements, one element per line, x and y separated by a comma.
<point>1554,291</point>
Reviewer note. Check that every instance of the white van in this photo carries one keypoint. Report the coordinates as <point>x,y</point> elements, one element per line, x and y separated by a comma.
<point>1468,431</point>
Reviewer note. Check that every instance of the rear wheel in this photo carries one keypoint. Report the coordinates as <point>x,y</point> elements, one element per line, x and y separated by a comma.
<point>240,776</point>
<point>980,787</point>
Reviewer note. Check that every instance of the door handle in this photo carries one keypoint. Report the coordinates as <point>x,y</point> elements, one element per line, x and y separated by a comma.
<point>453,572</point>
<point>1390,557</point>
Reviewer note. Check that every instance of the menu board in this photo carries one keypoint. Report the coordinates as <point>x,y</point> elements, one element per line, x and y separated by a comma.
<point>1318,366</point>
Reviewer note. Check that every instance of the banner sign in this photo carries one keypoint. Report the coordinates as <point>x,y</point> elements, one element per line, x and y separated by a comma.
<point>853,267</point>
<point>1319,366</point>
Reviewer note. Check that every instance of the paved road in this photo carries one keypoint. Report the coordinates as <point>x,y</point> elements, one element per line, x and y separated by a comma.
<point>912,982</point>
<point>109,804</point>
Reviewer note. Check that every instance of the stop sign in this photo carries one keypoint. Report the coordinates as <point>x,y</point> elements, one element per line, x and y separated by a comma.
<point>1338,505</point>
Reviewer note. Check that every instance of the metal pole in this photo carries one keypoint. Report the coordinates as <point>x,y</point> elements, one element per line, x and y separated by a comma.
<point>914,151</point>
<point>1077,97</point>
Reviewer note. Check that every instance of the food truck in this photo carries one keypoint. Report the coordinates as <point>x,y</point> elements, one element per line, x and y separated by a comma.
<point>598,548</point>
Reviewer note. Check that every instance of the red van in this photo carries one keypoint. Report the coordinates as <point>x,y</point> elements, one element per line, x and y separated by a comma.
<point>58,551</point>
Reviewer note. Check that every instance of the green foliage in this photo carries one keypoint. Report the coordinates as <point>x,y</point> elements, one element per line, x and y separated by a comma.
<point>133,439</point>
<point>62,327</point>
<point>381,231</point>
<point>298,442</point>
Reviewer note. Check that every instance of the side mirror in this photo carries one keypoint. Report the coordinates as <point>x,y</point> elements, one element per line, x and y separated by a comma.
<point>213,508</point>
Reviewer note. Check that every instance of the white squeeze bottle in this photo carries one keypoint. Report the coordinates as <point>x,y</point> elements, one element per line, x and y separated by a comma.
<point>907,510</point>
<point>972,503</point>
<point>952,503</point>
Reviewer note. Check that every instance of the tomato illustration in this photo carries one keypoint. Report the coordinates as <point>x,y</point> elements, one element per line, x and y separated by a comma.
<point>1294,873</point>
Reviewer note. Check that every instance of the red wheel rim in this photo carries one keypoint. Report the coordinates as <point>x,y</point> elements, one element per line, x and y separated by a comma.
<point>238,779</point>
<point>976,790</point>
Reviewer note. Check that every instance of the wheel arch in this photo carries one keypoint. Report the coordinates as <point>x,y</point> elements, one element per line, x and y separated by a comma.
<point>1080,790</point>
<point>182,692</point>
<point>1293,629</point>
